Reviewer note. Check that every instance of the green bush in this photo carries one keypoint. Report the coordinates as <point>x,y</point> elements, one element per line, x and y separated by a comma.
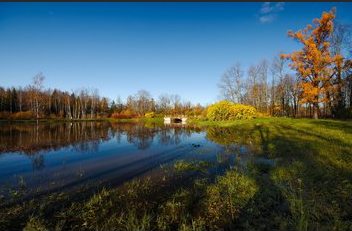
<point>225,110</point>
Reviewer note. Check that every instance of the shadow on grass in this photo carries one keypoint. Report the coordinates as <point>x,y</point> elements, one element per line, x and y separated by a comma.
<point>309,187</point>
<point>339,125</point>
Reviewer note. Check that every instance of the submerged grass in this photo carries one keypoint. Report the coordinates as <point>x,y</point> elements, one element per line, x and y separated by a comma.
<point>307,186</point>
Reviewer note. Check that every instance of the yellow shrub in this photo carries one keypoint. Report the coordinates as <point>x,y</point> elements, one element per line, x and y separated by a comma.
<point>149,115</point>
<point>220,111</point>
<point>225,110</point>
<point>243,111</point>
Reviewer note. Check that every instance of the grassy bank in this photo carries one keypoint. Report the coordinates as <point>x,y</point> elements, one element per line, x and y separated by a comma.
<point>300,178</point>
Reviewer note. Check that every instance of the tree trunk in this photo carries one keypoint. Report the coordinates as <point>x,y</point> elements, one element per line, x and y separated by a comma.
<point>37,108</point>
<point>351,98</point>
<point>339,95</point>
<point>20,102</point>
<point>294,106</point>
<point>315,111</point>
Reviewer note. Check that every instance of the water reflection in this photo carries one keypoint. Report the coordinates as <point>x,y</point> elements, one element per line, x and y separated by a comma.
<point>73,153</point>
<point>37,162</point>
<point>30,139</point>
<point>246,144</point>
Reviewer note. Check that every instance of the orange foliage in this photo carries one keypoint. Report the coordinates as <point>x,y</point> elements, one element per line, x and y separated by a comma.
<point>314,63</point>
<point>24,115</point>
<point>125,114</point>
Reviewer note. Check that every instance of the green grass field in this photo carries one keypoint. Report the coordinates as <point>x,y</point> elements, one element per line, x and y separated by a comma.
<point>309,187</point>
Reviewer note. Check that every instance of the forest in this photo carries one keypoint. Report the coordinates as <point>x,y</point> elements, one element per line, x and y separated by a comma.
<point>315,81</point>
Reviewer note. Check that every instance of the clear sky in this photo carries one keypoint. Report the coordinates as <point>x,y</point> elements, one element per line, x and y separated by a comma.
<point>121,48</point>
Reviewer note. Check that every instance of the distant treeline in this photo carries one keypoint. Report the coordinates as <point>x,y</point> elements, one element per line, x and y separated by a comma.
<point>34,101</point>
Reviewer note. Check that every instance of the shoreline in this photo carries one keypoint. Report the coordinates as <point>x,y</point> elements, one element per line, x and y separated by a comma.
<point>259,121</point>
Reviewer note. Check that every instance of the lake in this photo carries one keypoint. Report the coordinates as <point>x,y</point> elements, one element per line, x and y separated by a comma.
<point>49,157</point>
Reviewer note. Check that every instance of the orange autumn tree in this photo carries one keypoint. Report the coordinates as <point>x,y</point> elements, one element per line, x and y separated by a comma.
<point>314,62</point>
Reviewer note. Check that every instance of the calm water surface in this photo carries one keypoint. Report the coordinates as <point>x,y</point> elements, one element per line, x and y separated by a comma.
<point>58,156</point>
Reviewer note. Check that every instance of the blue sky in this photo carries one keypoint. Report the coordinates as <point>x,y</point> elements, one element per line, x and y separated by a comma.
<point>121,48</point>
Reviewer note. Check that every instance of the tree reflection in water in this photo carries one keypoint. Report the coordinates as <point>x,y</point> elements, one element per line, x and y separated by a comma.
<point>35,140</point>
<point>114,153</point>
